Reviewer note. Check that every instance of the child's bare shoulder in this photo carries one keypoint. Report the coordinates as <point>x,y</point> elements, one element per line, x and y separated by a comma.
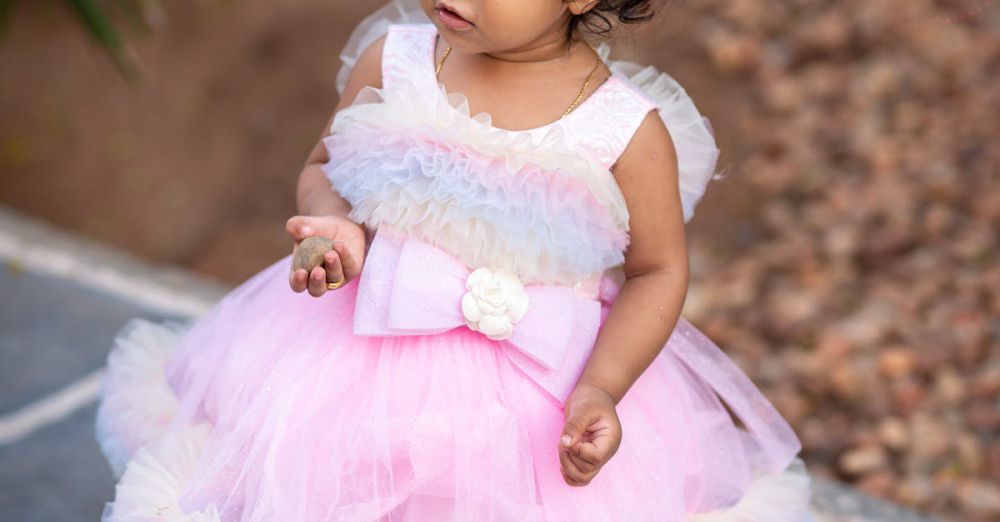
<point>651,151</point>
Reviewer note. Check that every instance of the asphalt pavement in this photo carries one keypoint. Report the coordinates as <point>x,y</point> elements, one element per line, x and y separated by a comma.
<point>54,333</point>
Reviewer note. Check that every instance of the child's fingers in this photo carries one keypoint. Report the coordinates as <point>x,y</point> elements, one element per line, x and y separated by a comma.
<point>351,266</point>
<point>334,268</point>
<point>570,480</point>
<point>317,282</point>
<point>298,280</point>
<point>592,452</point>
<point>582,464</point>
<point>570,470</point>
<point>586,457</point>
<point>576,426</point>
<point>299,227</point>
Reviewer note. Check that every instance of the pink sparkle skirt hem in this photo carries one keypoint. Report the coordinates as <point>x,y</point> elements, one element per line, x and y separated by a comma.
<point>268,407</point>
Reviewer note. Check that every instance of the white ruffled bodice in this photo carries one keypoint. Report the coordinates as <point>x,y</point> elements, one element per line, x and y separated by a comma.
<point>541,203</point>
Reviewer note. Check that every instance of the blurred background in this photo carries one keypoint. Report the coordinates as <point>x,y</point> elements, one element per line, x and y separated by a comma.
<point>848,261</point>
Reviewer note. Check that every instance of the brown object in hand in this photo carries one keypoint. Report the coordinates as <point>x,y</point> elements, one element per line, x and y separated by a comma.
<point>309,253</point>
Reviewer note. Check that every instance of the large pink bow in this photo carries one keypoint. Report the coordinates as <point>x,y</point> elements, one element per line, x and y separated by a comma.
<point>409,287</point>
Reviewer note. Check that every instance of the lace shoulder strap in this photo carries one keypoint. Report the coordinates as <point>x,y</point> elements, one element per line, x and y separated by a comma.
<point>603,125</point>
<point>408,56</point>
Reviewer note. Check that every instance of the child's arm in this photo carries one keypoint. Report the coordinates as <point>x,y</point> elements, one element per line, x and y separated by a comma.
<point>322,211</point>
<point>656,264</point>
<point>644,312</point>
<point>314,196</point>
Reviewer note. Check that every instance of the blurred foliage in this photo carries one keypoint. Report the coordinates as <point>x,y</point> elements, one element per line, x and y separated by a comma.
<point>103,21</point>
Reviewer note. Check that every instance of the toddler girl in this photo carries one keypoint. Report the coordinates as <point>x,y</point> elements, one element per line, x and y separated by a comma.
<point>495,333</point>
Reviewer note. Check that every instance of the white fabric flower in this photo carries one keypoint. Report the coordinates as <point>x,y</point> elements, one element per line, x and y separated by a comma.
<point>495,300</point>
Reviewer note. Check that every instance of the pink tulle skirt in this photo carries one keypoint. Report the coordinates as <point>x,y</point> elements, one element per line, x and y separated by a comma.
<point>268,407</point>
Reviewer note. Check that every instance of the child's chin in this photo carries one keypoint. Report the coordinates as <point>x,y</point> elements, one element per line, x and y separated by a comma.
<point>464,42</point>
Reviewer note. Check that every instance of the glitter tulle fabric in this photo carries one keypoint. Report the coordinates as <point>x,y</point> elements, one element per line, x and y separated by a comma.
<point>375,402</point>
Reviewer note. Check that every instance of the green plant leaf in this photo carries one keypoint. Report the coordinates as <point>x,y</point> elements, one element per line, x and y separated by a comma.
<point>133,13</point>
<point>97,22</point>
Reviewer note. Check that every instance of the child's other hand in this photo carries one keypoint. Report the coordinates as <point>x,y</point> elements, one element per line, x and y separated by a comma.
<point>591,434</point>
<point>342,263</point>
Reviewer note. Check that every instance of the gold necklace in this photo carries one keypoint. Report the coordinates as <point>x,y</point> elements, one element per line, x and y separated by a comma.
<point>576,102</point>
<point>437,71</point>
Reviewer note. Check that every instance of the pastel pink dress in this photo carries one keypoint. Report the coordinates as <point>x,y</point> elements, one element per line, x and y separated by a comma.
<point>431,387</point>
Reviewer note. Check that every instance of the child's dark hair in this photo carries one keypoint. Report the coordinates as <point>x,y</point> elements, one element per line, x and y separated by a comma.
<point>598,19</point>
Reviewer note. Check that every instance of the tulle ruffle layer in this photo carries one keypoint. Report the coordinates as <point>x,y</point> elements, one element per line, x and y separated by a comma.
<point>281,413</point>
<point>136,407</point>
<point>692,134</point>
<point>156,476</point>
<point>423,167</point>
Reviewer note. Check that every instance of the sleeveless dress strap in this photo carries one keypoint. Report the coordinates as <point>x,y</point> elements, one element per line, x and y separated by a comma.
<point>691,132</point>
<point>604,123</point>
<point>373,27</point>
<point>407,53</point>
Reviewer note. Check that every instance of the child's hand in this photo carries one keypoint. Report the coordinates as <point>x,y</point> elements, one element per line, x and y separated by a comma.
<point>343,263</point>
<point>591,435</point>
